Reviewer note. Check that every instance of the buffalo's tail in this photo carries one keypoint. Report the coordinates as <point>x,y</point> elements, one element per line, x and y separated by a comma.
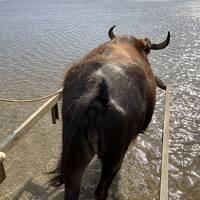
<point>98,93</point>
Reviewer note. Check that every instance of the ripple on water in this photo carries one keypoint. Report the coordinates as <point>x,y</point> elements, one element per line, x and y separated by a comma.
<point>38,40</point>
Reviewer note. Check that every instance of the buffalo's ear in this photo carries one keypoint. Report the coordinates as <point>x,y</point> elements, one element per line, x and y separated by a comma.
<point>146,43</point>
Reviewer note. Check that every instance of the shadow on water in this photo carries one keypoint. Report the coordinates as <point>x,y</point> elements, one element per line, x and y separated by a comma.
<point>35,191</point>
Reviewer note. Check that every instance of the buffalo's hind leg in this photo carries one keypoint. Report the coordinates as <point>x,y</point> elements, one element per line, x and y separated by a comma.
<point>78,157</point>
<point>109,171</point>
<point>113,146</point>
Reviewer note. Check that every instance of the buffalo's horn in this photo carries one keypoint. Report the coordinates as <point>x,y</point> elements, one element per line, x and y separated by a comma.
<point>162,45</point>
<point>110,32</point>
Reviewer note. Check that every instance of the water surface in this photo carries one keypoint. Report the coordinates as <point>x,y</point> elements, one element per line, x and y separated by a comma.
<point>39,39</point>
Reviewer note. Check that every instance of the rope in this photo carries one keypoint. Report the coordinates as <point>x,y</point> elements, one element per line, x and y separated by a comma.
<point>31,100</point>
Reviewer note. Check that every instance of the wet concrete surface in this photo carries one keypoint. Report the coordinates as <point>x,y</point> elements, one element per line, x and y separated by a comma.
<point>28,161</point>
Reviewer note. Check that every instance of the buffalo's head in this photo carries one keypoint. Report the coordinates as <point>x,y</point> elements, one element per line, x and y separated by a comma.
<point>142,44</point>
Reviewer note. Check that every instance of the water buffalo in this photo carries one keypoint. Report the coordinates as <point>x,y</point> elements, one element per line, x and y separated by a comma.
<point>108,99</point>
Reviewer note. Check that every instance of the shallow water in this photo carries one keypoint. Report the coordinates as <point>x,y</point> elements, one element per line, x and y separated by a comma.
<point>38,39</point>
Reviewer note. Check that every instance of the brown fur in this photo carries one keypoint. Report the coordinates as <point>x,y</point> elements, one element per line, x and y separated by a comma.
<point>108,99</point>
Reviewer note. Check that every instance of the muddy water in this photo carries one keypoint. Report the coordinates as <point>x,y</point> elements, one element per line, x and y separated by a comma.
<point>38,39</point>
